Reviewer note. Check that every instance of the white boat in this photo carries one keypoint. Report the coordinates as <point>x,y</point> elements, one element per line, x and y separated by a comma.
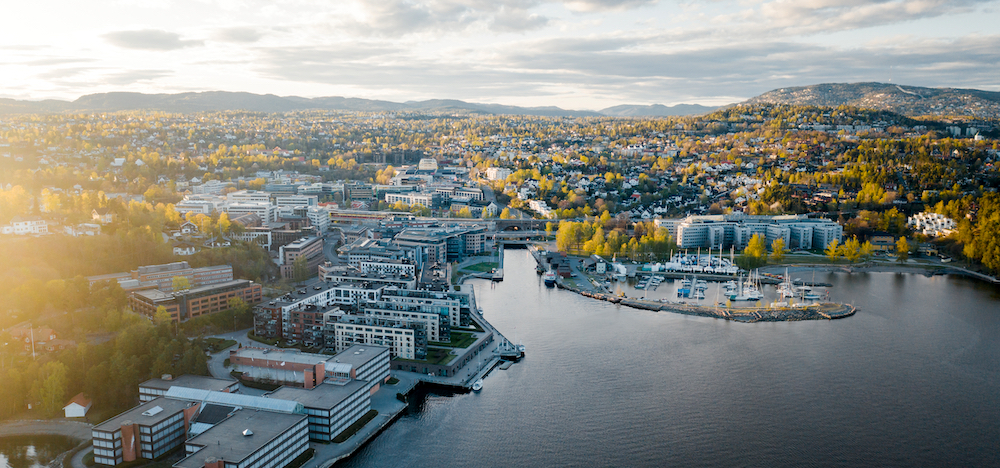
<point>477,385</point>
<point>549,278</point>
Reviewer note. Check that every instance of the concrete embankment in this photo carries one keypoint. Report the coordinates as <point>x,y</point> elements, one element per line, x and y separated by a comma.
<point>822,311</point>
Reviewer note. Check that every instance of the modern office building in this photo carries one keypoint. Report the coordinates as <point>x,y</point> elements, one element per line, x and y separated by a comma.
<point>309,247</point>
<point>194,302</point>
<point>285,366</point>
<point>146,431</point>
<point>249,439</point>
<point>331,407</point>
<point>162,276</point>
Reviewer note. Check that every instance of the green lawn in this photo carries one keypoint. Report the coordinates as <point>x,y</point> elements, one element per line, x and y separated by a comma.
<point>481,267</point>
<point>215,345</point>
<point>458,340</point>
<point>435,356</point>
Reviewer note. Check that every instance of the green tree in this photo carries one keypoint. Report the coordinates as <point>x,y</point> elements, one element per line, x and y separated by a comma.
<point>53,390</point>
<point>778,250</point>
<point>902,250</point>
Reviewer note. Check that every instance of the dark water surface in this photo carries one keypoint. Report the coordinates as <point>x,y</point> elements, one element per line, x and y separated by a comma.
<point>912,380</point>
<point>32,451</point>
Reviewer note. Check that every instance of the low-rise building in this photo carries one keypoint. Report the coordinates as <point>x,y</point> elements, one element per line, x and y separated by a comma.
<point>157,387</point>
<point>332,408</point>
<point>249,439</point>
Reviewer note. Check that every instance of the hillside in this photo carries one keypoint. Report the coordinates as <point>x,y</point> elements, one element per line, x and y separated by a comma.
<point>906,100</point>
<point>222,100</point>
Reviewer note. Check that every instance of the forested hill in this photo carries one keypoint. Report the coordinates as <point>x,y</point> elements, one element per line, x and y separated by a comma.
<point>221,101</point>
<point>901,99</point>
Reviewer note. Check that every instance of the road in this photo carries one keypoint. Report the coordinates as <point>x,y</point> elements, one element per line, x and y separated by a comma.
<point>329,247</point>
<point>216,362</point>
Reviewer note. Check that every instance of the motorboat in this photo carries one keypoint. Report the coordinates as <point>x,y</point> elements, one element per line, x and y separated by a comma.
<point>549,278</point>
<point>477,385</point>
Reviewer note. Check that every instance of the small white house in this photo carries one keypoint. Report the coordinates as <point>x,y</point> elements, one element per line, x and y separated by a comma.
<point>78,406</point>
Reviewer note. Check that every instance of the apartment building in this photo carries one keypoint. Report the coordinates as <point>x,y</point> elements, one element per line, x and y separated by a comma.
<point>162,276</point>
<point>404,340</point>
<point>311,248</point>
<point>724,231</point>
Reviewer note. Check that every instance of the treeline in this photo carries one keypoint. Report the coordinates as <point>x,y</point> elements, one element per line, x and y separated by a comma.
<point>108,372</point>
<point>645,242</point>
<point>978,232</point>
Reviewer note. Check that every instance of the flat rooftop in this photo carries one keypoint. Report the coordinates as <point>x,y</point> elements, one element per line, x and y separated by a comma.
<point>167,408</point>
<point>284,355</point>
<point>359,355</point>
<point>189,381</point>
<point>325,396</point>
<point>225,441</point>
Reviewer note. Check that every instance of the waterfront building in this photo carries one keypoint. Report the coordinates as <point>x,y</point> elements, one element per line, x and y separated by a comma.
<point>443,245</point>
<point>331,408</point>
<point>454,305</point>
<point>249,439</point>
<point>157,387</point>
<point>735,230</point>
<point>405,340</point>
<point>194,302</point>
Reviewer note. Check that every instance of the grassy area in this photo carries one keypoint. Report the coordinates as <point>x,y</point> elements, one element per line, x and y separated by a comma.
<point>481,267</point>
<point>392,381</point>
<point>215,345</point>
<point>435,356</point>
<point>269,341</point>
<point>458,340</point>
<point>88,459</point>
<point>353,428</point>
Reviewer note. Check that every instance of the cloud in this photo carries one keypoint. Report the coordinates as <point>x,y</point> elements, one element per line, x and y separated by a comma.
<point>149,39</point>
<point>239,34</point>
<point>395,18</point>
<point>813,16</point>
<point>606,5</point>
<point>127,77</point>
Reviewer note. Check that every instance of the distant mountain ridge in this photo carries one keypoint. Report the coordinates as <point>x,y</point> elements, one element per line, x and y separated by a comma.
<point>906,100</point>
<point>224,100</point>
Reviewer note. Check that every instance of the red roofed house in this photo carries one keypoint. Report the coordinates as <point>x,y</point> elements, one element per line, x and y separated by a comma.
<point>78,406</point>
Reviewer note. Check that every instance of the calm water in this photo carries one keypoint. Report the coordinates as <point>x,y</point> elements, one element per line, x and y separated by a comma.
<point>912,380</point>
<point>32,451</point>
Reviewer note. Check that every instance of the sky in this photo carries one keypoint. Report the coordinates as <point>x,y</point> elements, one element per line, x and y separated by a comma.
<point>575,54</point>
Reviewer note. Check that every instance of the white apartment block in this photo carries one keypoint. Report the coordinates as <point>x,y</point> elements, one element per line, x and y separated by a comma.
<point>497,173</point>
<point>431,321</point>
<point>296,200</point>
<point>931,224</point>
<point>723,231</point>
<point>249,196</point>
<point>387,268</point>
<point>266,212</point>
<point>400,341</point>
